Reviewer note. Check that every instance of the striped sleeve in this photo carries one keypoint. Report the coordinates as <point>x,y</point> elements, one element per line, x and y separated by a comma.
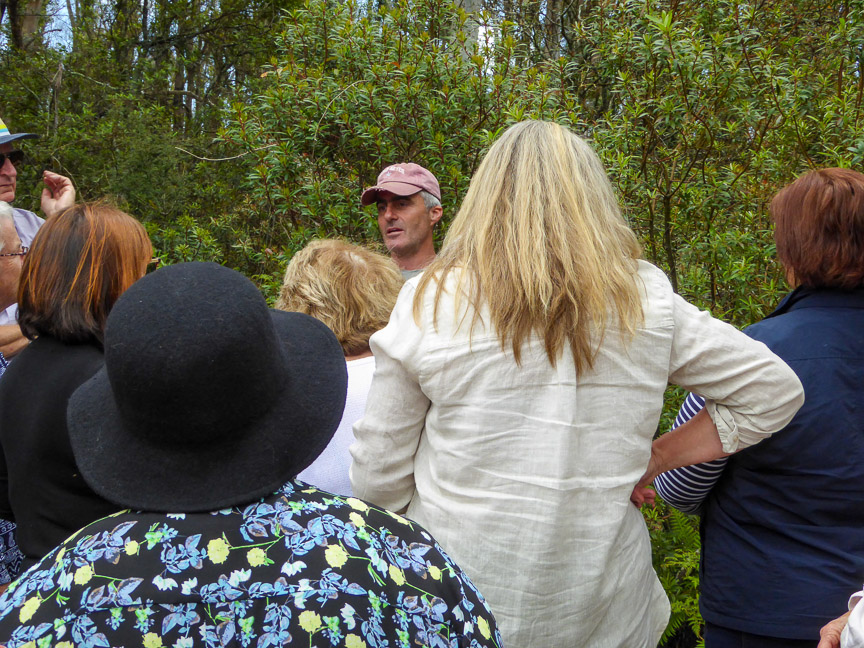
<point>686,488</point>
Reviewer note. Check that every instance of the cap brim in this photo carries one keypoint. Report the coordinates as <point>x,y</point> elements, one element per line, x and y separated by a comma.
<point>137,473</point>
<point>5,139</point>
<point>398,188</point>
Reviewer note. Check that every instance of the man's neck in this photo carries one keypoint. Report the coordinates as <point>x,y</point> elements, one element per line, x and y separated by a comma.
<point>416,261</point>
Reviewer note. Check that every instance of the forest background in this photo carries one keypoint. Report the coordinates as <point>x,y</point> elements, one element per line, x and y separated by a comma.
<point>238,130</point>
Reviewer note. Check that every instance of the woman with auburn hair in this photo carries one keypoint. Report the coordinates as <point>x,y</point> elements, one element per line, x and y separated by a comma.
<point>352,290</point>
<point>789,510</point>
<point>80,262</point>
<point>518,387</point>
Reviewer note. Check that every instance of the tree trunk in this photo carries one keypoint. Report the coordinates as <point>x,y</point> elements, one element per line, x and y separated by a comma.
<point>552,27</point>
<point>31,25</point>
<point>472,26</point>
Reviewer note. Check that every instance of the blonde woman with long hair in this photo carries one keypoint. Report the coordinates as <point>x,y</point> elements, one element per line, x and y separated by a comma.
<point>520,382</point>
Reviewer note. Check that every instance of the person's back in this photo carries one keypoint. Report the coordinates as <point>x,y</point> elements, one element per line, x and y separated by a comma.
<point>47,497</point>
<point>518,386</point>
<point>805,549</point>
<point>80,263</point>
<point>520,466</point>
<point>781,521</point>
<point>223,546</point>
<point>352,290</point>
<point>304,566</point>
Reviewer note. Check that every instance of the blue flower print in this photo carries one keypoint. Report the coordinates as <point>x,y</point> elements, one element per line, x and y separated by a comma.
<point>300,566</point>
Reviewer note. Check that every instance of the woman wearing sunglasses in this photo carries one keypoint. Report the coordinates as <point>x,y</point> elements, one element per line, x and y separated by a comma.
<point>81,261</point>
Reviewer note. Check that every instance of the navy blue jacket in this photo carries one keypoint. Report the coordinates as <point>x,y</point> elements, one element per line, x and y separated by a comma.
<point>783,529</point>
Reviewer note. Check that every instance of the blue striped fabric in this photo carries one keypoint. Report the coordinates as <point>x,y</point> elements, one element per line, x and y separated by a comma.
<point>686,488</point>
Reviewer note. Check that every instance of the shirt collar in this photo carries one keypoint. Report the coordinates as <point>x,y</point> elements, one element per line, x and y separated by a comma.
<point>809,297</point>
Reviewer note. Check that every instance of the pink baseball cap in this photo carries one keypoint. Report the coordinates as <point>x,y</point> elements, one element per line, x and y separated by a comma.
<point>402,180</point>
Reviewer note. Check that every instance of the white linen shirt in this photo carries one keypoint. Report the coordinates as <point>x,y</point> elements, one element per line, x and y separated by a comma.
<point>523,473</point>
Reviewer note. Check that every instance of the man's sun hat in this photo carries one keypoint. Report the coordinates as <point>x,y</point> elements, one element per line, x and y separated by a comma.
<point>6,136</point>
<point>208,399</point>
<point>402,180</point>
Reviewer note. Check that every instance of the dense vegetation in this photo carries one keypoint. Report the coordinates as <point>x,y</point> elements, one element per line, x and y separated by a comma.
<point>237,131</point>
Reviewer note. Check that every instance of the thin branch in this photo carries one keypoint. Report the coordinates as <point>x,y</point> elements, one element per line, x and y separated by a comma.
<point>327,107</point>
<point>225,159</point>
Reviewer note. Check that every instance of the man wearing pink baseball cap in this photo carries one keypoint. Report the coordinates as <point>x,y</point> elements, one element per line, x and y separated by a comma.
<point>409,206</point>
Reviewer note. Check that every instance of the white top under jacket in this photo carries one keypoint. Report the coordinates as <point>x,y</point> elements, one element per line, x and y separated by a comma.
<point>329,471</point>
<point>523,473</point>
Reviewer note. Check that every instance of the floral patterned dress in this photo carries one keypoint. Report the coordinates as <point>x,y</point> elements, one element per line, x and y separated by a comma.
<point>301,567</point>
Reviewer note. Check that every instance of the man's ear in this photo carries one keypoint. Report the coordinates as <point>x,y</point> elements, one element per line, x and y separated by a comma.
<point>435,215</point>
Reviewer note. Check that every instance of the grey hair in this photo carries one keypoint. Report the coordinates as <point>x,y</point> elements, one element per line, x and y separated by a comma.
<point>6,214</point>
<point>429,200</point>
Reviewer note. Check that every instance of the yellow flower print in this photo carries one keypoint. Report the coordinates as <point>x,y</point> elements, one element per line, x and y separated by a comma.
<point>310,621</point>
<point>357,520</point>
<point>217,550</point>
<point>29,609</point>
<point>397,575</point>
<point>398,518</point>
<point>357,505</point>
<point>65,644</point>
<point>335,556</point>
<point>60,555</point>
<point>353,641</point>
<point>152,640</point>
<point>434,572</point>
<point>83,574</point>
<point>256,557</point>
<point>483,627</point>
<point>131,548</point>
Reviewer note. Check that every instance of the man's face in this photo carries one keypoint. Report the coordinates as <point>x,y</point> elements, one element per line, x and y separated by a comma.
<point>406,224</point>
<point>10,266</point>
<point>8,176</point>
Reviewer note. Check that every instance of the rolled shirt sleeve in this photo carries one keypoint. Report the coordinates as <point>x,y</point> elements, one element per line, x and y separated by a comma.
<point>750,393</point>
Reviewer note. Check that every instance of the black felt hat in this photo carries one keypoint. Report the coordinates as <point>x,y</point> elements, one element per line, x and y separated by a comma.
<point>208,399</point>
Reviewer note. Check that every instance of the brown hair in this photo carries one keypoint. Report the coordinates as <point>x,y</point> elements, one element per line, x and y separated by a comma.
<point>80,262</point>
<point>349,288</point>
<point>819,228</point>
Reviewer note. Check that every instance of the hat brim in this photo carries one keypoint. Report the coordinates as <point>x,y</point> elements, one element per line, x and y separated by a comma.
<point>137,473</point>
<point>398,188</point>
<point>5,139</point>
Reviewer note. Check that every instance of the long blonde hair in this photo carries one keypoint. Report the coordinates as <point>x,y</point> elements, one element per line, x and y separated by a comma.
<point>541,241</point>
<point>349,288</point>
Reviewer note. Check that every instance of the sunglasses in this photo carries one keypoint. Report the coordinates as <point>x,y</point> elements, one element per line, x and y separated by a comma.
<point>15,157</point>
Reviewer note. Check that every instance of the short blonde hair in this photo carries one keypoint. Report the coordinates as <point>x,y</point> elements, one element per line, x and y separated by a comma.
<point>349,288</point>
<point>541,241</point>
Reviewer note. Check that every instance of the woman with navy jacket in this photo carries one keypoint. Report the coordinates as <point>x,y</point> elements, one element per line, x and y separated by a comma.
<point>782,523</point>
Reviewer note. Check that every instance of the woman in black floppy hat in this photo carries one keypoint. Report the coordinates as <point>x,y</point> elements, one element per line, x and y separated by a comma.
<point>208,405</point>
